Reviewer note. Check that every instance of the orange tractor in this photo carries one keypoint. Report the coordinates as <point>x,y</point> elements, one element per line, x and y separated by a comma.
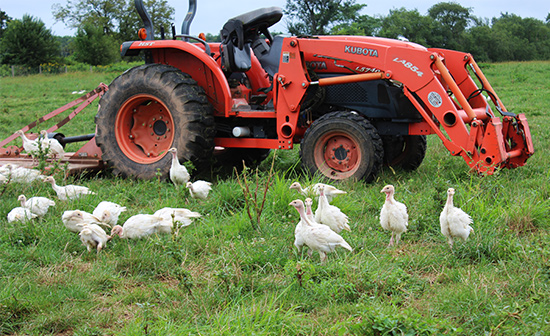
<point>353,103</point>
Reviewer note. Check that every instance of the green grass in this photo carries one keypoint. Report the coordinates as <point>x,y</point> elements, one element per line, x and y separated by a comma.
<point>220,276</point>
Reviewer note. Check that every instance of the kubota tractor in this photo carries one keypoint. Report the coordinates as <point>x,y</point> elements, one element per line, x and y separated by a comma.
<point>353,103</point>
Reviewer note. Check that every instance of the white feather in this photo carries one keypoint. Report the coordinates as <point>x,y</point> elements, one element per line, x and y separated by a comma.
<point>330,191</point>
<point>74,219</point>
<point>181,216</point>
<point>454,222</point>
<point>108,212</point>
<point>93,237</point>
<point>199,189</point>
<point>53,146</point>
<point>393,215</point>
<point>317,237</point>
<point>69,191</point>
<point>140,226</point>
<point>178,173</point>
<point>38,205</point>
<point>330,215</point>
<point>20,214</point>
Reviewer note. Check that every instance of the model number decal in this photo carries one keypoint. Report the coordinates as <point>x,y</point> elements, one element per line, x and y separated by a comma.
<point>365,69</point>
<point>145,44</point>
<point>409,65</point>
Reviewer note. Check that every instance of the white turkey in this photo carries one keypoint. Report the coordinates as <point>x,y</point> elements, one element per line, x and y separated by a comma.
<point>299,240</point>
<point>20,214</point>
<point>199,189</point>
<point>38,205</point>
<point>69,191</point>
<point>455,223</point>
<point>140,226</point>
<point>74,219</point>
<point>181,216</point>
<point>178,173</point>
<point>330,191</point>
<point>108,212</point>
<point>55,149</point>
<point>93,237</point>
<point>32,147</point>
<point>393,215</point>
<point>317,237</point>
<point>309,210</point>
<point>330,215</point>
<point>20,174</point>
<point>5,170</point>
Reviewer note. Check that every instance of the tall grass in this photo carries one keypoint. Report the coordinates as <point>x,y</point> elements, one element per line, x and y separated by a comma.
<point>220,276</point>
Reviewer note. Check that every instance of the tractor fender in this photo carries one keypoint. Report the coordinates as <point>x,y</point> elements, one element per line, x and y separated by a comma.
<point>191,59</point>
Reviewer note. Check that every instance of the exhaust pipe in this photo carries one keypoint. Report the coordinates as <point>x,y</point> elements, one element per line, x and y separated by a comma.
<point>147,22</point>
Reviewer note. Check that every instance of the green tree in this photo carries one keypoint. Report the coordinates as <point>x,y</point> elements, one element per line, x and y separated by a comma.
<point>28,42</point>
<point>94,47</point>
<point>318,17</point>
<point>365,25</point>
<point>161,14</point>
<point>66,45</point>
<point>452,20</point>
<point>101,13</point>
<point>117,18</point>
<point>509,38</point>
<point>409,24</point>
<point>4,20</point>
<point>526,38</point>
<point>479,41</point>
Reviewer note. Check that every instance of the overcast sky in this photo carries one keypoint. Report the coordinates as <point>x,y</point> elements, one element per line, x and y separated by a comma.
<point>212,14</point>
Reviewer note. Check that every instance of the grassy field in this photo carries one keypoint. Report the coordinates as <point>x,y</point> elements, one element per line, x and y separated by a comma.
<point>222,276</point>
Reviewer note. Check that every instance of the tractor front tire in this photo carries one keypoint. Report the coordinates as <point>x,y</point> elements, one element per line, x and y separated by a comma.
<point>146,111</point>
<point>342,145</point>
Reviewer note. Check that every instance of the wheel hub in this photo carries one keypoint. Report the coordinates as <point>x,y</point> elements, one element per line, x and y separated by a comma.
<point>144,129</point>
<point>341,155</point>
<point>160,127</point>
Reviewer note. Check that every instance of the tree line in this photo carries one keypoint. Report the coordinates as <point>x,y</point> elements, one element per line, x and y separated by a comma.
<point>102,25</point>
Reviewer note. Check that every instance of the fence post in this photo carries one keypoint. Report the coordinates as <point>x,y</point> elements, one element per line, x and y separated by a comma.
<point>13,70</point>
<point>40,69</point>
<point>65,69</point>
<point>90,68</point>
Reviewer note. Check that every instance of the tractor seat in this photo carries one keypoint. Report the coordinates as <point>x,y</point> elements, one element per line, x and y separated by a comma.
<point>239,32</point>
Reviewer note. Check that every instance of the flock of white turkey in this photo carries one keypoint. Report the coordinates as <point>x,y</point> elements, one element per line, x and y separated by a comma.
<point>320,232</point>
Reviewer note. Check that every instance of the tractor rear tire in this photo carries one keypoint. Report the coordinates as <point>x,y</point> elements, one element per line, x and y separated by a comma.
<point>405,152</point>
<point>146,111</point>
<point>342,145</point>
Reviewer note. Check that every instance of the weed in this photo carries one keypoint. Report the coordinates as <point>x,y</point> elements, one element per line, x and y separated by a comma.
<point>254,203</point>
